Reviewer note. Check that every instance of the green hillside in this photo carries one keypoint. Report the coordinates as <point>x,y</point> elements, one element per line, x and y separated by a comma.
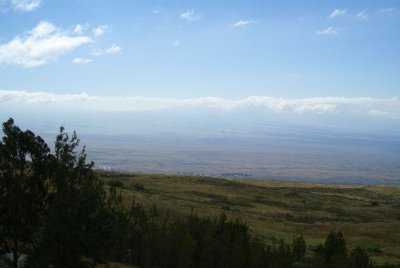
<point>368,216</point>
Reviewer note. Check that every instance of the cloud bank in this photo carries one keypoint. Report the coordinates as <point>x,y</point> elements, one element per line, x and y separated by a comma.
<point>26,5</point>
<point>39,46</point>
<point>20,5</point>
<point>380,107</point>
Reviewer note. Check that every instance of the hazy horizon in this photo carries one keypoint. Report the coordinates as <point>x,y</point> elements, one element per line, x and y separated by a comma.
<point>286,90</point>
<point>230,143</point>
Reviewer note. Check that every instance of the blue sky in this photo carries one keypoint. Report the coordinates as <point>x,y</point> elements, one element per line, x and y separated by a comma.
<point>194,49</point>
<point>200,69</point>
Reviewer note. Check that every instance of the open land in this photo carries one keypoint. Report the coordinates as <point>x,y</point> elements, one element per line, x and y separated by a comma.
<point>368,216</point>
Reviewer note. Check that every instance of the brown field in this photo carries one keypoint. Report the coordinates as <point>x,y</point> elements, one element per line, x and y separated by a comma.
<point>369,216</point>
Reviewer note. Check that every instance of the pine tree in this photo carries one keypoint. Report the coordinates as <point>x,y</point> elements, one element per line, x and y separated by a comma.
<point>23,186</point>
<point>75,203</point>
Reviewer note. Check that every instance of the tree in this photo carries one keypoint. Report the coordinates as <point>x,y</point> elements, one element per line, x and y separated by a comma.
<point>359,259</point>
<point>335,246</point>
<point>299,248</point>
<point>75,205</point>
<point>23,190</point>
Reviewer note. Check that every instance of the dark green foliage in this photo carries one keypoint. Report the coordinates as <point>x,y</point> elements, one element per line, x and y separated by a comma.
<point>75,205</point>
<point>115,183</point>
<point>334,254</point>
<point>139,187</point>
<point>359,258</point>
<point>335,248</point>
<point>299,248</point>
<point>23,189</point>
<point>224,207</point>
<point>374,203</point>
<point>386,265</point>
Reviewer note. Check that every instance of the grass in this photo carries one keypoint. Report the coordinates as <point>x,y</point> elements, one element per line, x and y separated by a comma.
<point>368,216</point>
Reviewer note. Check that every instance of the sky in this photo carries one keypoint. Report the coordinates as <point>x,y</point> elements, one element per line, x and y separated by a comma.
<point>293,56</point>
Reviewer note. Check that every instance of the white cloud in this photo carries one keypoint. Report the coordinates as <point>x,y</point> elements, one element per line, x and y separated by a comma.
<point>328,105</point>
<point>387,10</point>
<point>329,31</point>
<point>191,16</point>
<point>361,15</point>
<point>337,13</point>
<point>79,29</point>
<point>100,30</point>
<point>114,49</point>
<point>25,5</point>
<point>82,61</point>
<point>43,29</point>
<point>39,46</point>
<point>377,113</point>
<point>243,23</point>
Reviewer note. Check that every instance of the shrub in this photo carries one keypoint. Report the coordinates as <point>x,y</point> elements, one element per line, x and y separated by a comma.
<point>115,183</point>
<point>139,187</point>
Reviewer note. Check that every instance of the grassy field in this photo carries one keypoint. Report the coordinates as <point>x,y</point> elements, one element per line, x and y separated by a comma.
<point>368,216</point>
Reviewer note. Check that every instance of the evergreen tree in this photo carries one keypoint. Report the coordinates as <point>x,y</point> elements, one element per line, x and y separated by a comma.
<point>359,259</point>
<point>23,186</point>
<point>299,248</point>
<point>335,249</point>
<point>75,201</point>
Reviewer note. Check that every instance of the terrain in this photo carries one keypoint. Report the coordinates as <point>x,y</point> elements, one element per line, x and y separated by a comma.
<point>289,155</point>
<point>368,216</point>
<point>233,144</point>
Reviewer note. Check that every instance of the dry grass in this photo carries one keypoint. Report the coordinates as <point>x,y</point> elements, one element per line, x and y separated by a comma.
<point>276,210</point>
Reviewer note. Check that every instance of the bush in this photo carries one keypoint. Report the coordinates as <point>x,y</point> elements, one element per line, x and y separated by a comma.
<point>139,187</point>
<point>374,203</point>
<point>116,183</point>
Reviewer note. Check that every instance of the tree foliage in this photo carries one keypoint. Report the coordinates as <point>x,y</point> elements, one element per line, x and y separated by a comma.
<point>24,173</point>
<point>76,202</point>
